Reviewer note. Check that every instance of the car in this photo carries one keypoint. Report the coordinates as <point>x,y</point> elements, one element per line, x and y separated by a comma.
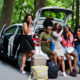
<point>10,37</point>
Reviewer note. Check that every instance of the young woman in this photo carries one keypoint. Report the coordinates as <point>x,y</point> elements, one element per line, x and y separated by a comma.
<point>77,45</point>
<point>67,42</point>
<point>44,40</point>
<point>27,44</point>
<point>58,47</point>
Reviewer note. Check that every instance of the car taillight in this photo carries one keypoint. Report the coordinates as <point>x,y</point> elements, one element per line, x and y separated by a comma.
<point>36,43</point>
<point>35,39</point>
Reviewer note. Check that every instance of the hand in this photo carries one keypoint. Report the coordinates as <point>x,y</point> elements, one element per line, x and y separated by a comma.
<point>79,38</point>
<point>48,41</point>
<point>61,27</point>
<point>75,39</point>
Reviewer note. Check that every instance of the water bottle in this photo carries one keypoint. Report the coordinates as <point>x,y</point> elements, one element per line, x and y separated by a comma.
<point>52,45</point>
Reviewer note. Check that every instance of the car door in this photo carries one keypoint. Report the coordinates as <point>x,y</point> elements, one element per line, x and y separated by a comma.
<point>16,43</point>
<point>9,36</point>
<point>1,38</point>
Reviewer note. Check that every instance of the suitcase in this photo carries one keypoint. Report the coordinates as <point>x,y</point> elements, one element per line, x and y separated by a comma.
<point>39,72</point>
<point>38,60</point>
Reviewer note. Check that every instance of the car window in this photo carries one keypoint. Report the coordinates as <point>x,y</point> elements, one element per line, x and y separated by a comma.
<point>20,30</point>
<point>51,14</point>
<point>10,30</point>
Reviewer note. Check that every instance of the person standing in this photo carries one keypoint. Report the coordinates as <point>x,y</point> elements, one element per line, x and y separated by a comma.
<point>27,44</point>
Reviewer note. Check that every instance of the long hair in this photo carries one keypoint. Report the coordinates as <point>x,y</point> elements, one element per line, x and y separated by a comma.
<point>65,34</point>
<point>26,17</point>
<point>54,27</point>
<point>76,29</point>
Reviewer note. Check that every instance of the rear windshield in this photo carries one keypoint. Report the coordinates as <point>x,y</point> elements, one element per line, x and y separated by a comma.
<point>51,14</point>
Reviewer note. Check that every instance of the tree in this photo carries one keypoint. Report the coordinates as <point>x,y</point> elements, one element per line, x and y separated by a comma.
<point>7,13</point>
<point>73,5</point>
<point>77,12</point>
<point>22,7</point>
<point>39,4</point>
<point>21,10</point>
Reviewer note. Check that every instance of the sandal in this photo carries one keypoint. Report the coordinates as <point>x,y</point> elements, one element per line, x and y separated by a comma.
<point>22,71</point>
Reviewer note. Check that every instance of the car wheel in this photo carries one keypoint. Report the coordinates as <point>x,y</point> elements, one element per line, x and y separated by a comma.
<point>19,60</point>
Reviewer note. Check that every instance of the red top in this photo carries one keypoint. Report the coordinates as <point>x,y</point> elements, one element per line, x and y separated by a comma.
<point>69,42</point>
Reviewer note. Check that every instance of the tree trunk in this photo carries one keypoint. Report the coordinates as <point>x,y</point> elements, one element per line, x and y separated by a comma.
<point>77,12</point>
<point>39,4</point>
<point>7,13</point>
<point>73,5</point>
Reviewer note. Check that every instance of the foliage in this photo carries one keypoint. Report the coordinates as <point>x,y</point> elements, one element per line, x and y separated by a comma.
<point>1,4</point>
<point>27,6</point>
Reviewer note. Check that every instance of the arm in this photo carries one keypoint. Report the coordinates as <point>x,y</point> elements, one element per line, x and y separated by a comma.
<point>42,41</point>
<point>25,28</point>
<point>79,37</point>
<point>71,39</point>
<point>57,35</point>
<point>64,43</point>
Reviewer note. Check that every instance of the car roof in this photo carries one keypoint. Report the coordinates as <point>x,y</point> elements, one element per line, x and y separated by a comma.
<point>19,24</point>
<point>56,9</point>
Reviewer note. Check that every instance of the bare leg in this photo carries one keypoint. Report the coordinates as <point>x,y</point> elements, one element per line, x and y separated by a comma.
<point>62,64</point>
<point>24,58</point>
<point>69,61</point>
<point>59,61</point>
<point>31,54</point>
<point>75,59</point>
<point>52,58</point>
<point>23,62</point>
<point>55,57</point>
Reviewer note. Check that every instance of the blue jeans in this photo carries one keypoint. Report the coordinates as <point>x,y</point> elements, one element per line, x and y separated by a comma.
<point>77,51</point>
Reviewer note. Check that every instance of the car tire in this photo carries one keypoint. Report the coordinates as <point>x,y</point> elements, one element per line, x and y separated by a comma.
<point>19,59</point>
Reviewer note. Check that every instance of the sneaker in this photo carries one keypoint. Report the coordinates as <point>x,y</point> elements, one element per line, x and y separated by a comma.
<point>73,74</point>
<point>64,74</point>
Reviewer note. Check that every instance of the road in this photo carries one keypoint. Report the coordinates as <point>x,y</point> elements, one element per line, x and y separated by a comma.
<point>9,71</point>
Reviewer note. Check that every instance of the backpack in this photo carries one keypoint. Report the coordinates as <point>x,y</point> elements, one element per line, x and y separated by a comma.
<point>53,70</point>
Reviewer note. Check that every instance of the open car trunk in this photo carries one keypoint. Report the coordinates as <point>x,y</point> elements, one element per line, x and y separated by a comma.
<point>56,14</point>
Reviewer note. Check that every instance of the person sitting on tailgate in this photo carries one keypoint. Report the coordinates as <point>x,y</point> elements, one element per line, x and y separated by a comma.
<point>77,45</point>
<point>44,40</point>
<point>67,42</point>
